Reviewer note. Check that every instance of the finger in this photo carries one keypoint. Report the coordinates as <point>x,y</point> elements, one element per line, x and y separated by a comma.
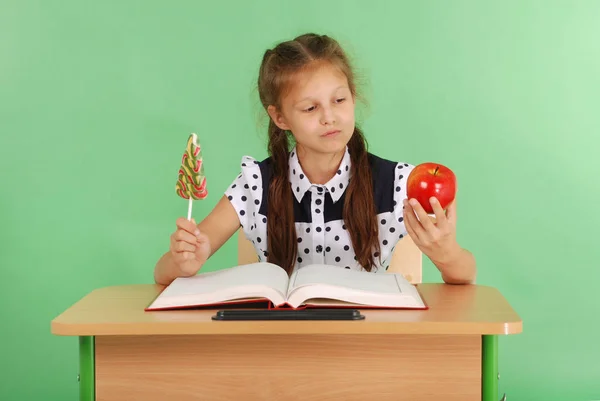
<point>410,229</point>
<point>409,216</point>
<point>201,238</point>
<point>178,246</point>
<point>187,225</point>
<point>440,215</point>
<point>181,246</point>
<point>182,257</point>
<point>451,212</point>
<point>423,216</point>
<point>181,235</point>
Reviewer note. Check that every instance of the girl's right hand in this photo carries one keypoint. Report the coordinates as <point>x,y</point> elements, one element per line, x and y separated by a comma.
<point>189,247</point>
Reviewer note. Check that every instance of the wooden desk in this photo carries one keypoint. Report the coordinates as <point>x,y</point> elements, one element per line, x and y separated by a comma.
<point>448,352</point>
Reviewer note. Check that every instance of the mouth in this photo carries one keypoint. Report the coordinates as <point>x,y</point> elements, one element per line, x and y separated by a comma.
<point>331,133</point>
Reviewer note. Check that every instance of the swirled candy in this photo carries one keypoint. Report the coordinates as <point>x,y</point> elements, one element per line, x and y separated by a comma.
<point>191,181</point>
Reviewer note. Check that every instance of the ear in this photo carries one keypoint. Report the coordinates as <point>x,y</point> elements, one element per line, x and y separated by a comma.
<point>278,118</point>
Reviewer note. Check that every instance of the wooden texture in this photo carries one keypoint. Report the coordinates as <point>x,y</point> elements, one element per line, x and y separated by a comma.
<point>407,258</point>
<point>288,367</point>
<point>454,309</point>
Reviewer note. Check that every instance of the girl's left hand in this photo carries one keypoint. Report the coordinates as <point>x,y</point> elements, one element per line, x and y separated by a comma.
<point>437,240</point>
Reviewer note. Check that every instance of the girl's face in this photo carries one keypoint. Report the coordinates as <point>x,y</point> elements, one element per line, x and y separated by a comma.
<point>318,110</point>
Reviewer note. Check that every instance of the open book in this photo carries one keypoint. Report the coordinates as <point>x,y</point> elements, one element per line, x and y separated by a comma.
<point>309,286</point>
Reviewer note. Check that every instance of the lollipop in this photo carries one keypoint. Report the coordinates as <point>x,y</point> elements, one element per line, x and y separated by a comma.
<point>191,182</point>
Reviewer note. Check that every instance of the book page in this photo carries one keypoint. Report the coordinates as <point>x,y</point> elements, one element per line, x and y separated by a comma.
<point>338,276</point>
<point>252,280</point>
<point>350,286</point>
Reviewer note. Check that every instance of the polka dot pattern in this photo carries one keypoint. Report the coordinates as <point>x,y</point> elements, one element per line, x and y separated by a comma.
<point>321,239</point>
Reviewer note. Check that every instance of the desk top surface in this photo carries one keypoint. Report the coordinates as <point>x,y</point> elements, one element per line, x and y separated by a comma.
<point>453,309</point>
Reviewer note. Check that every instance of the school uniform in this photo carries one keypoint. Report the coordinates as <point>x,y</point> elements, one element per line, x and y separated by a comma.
<point>321,233</point>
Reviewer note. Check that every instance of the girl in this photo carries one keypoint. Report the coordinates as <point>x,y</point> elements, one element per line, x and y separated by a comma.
<point>320,197</point>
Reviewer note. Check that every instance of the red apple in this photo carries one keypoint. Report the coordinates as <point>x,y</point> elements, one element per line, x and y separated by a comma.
<point>431,179</point>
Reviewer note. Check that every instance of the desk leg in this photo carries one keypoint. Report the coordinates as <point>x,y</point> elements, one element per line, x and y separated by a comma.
<point>489,368</point>
<point>86,368</point>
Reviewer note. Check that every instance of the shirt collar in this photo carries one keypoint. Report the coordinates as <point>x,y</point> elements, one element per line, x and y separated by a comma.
<point>335,186</point>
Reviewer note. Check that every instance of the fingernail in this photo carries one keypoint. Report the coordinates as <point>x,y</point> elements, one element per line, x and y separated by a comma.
<point>413,202</point>
<point>197,232</point>
<point>433,199</point>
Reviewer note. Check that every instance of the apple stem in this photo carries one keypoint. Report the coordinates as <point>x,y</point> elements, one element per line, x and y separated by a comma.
<point>436,170</point>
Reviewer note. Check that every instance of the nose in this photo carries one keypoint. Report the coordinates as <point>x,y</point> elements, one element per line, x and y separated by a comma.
<point>327,116</point>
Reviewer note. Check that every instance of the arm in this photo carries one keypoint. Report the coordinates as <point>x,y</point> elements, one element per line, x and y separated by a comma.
<point>458,267</point>
<point>190,249</point>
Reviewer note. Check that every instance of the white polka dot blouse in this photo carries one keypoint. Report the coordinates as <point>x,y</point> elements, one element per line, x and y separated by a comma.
<point>322,235</point>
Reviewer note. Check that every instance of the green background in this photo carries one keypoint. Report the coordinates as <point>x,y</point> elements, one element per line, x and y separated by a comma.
<point>97,100</point>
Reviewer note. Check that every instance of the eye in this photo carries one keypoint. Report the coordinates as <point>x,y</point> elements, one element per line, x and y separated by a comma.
<point>311,108</point>
<point>340,100</point>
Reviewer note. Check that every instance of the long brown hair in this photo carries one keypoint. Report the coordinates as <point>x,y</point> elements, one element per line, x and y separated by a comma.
<point>277,70</point>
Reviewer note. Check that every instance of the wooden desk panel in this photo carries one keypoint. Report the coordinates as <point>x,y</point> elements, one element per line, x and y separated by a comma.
<point>288,367</point>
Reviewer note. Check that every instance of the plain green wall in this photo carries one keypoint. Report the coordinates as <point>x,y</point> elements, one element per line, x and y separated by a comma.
<point>97,100</point>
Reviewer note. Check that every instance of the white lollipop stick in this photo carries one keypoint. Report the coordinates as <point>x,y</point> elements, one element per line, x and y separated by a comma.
<point>190,209</point>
